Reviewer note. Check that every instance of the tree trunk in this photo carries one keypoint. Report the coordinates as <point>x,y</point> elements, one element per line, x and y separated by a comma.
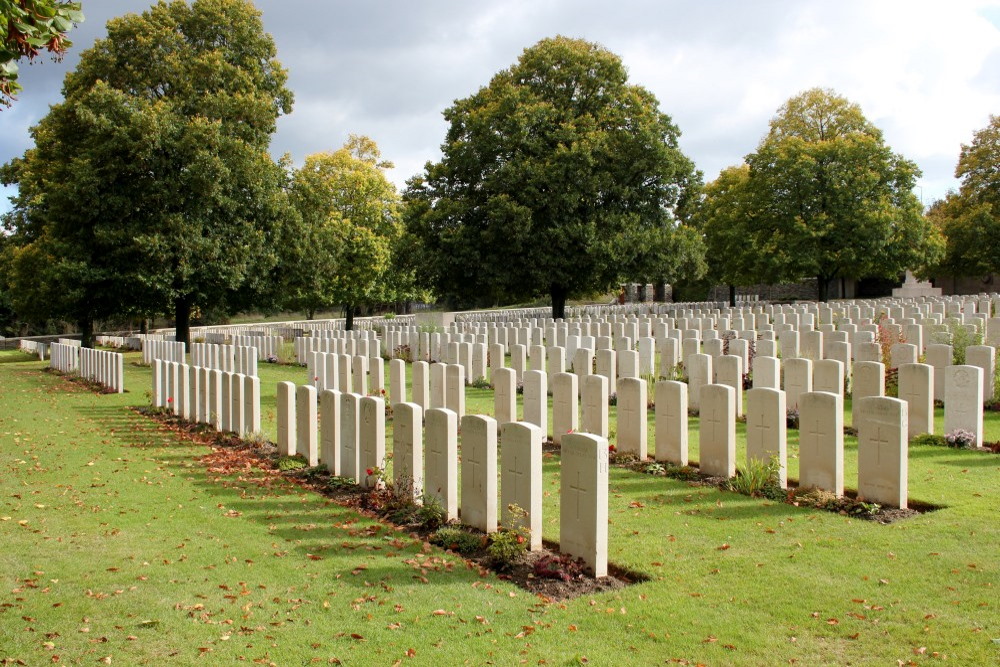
<point>182,320</point>
<point>144,326</point>
<point>310,313</point>
<point>349,311</point>
<point>732,295</point>
<point>843,287</point>
<point>822,289</point>
<point>86,324</point>
<point>660,291</point>
<point>558,295</point>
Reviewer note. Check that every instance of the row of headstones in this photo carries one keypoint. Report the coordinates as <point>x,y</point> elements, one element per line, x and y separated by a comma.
<point>346,373</point>
<point>101,366</point>
<point>226,401</point>
<point>350,442</point>
<point>104,367</point>
<point>34,347</point>
<point>227,358</point>
<point>353,346</point>
<point>165,350</point>
<point>268,347</point>
<point>119,342</point>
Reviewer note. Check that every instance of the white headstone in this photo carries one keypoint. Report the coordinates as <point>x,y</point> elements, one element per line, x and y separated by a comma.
<point>821,442</point>
<point>882,450</point>
<point>767,429</point>
<point>479,472</point>
<point>671,427</point>
<point>583,500</point>
<point>521,477</point>
<point>441,451</point>
<point>717,431</point>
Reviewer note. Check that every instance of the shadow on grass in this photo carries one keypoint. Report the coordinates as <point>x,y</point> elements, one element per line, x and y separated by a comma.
<point>314,527</point>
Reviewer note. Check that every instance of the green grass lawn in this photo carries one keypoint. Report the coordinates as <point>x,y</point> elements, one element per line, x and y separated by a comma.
<point>117,542</point>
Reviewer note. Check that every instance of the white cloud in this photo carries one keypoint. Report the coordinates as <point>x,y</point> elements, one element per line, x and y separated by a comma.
<point>924,71</point>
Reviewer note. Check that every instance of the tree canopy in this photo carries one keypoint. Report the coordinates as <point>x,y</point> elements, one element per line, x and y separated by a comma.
<point>828,198</point>
<point>557,178</point>
<point>970,218</point>
<point>27,27</point>
<point>348,224</point>
<point>150,185</point>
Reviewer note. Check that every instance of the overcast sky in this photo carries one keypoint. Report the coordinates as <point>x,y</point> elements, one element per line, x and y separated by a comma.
<point>926,72</point>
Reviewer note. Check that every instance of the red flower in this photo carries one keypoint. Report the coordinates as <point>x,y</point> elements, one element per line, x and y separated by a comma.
<point>611,448</point>
<point>370,472</point>
<point>520,539</point>
<point>170,400</point>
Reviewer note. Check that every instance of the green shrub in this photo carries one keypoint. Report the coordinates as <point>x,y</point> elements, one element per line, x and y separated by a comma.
<point>458,540</point>
<point>758,479</point>
<point>297,462</point>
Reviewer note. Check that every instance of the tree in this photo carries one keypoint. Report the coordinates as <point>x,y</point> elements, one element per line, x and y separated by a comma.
<point>348,215</point>
<point>723,216</point>
<point>27,27</point>
<point>152,177</point>
<point>970,218</point>
<point>554,180</point>
<point>830,198</point>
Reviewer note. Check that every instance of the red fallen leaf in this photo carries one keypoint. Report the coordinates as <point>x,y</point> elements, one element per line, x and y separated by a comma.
<point>355,635</point>
<point>729,646</point>
<point>854,636</point>
<point>920,651</point>
<point>636,504</point>
<point>442,612</point>
<point>832,621</point>
<point>410,652</point>
<point>314,557</point>
<point>723,547</point>
<point>709,639</point>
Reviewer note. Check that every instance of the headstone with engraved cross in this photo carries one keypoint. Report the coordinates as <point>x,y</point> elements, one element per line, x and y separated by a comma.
<point>699,371</point>
<point>671,425</point>
<point>441,459</point>
<point>350,454</point>
<point>916,387</point>
<point>796,378</point>
<point>631,421</point>
<point>821,442</point>
<point>767,429</point>
<point>536,400</point>
<point>869,380</point>
<point>479,472</point>
<point>521,478</point>
<point>583,500</point>
<point>372,439</point>
<point>504,395</point>
<point>565,405</point>
<point>408,450</point>
<point>594,418</point>
<point>717,436</point>
<point>882,451</point>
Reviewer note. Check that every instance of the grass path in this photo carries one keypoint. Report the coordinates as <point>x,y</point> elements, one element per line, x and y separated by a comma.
<point>117,543</point>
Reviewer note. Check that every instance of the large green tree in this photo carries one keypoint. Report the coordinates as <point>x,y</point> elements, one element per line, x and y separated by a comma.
<point>150,186</point>
<point>340,249</point>
<point>970,218</point>
<point>723,216</point>
<point>27,27</point>
<point>557,178</point>
<point>830,199</point>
